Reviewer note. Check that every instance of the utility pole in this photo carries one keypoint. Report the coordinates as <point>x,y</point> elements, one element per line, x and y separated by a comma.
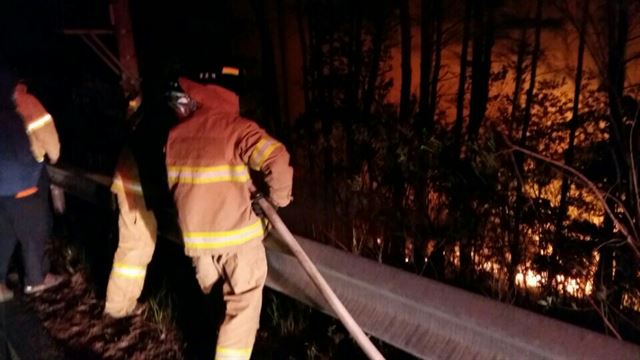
<point>121,21</point>
<point>125,64</point>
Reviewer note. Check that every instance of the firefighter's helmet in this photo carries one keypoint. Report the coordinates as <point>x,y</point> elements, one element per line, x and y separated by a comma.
<point>228,77</point>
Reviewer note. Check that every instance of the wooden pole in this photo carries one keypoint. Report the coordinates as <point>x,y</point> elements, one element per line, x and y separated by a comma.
<point>121,19</point>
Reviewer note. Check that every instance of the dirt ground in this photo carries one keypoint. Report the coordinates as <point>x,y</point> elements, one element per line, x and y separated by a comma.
<point>180,323</point>
<point>73,316</point>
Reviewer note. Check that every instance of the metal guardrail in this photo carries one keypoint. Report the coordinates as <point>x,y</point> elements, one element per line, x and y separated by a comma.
<point>420,316</point>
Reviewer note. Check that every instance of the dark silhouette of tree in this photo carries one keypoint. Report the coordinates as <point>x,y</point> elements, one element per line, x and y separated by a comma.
<point>437,63</point>
<point>618,31</point>
<point>483,41</point>
<point>269,84</point>
<point>462,79</point>
<point>569,154</point>
<point>515,246</point>
<point>302,33</point>
<point>405,45</point>
<point>378,38</point>
<point>284,63</point>
<point>426,61</point>
<point>519,72</point>
<point>355,56</point>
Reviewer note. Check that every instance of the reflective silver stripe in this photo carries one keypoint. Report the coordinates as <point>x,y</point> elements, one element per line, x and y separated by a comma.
<point>261,152</point>
<point>39,122</point>
<point>207,174</point>
<point>129,271</point>
<point>132,186</point>
<point>220,239</point>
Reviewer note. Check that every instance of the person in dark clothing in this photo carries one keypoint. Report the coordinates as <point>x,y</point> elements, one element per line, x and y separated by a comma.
<point>24,208</point>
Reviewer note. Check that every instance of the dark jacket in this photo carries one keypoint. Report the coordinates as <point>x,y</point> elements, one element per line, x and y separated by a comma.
<point>18,169</point>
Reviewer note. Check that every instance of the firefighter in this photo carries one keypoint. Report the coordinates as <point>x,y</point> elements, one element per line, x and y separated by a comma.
<point>27,137</point>
<point>209,155</point>
<point>137,230</point>
<point>41,130</point>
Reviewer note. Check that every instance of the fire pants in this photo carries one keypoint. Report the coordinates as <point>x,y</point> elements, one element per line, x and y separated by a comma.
<point>244,272</point>
<point>137,239</point>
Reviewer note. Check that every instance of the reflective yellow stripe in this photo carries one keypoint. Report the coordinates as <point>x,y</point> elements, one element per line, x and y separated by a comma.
<point>207,174</point>
<point>232,354</point>
<point>129,271</point>
<point>119,184</point>
<point>254,154</point>
<point>220,239</point>
<point>261,152</point>
<point>38,123</point>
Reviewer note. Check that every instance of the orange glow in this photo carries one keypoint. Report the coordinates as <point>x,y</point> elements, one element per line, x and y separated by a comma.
<point>530,279</point>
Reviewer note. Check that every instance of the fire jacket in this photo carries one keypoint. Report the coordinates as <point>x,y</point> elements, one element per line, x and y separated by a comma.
<point>19,171</point>
<point>39,125</point>
<point>208,160</point>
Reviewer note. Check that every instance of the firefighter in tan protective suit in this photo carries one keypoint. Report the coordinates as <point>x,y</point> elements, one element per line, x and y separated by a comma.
<point>137,240</point>
<point>208,156</point>
<point>137,230</point>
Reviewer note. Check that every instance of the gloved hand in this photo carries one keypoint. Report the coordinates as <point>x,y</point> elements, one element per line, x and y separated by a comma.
<point>257,209</point>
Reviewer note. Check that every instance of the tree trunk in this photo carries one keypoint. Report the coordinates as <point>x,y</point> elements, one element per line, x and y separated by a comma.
<point>330,58</point>
<point>617,11</point>
<point>603,278</point>
<point>483,40</point>
<point>616,67</point>
<point>462,81</point>
<point>515,104</point>
<point>305,58</point>
<point>126,48</point>
<point>426,55</point>
<point>618,24</point>
<point>271,103</point>
<point>433,106</point>
<point>405,44</point>
<point>353,88</point>
<point>569,153</point>
<point>516,247</point>
<point>425,122</point>
<point>355,57</point>
<point>532,81</point>
<point>284,63</point>
<point>315,86</point>
<point>372,78</point>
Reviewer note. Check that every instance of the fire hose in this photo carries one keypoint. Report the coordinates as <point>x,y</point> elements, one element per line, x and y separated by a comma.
<point>336,305</point>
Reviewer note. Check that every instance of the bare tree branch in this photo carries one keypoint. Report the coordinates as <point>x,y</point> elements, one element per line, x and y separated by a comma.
<point>604,318</point>
<point>632,58</point>
<point>631,240</point>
